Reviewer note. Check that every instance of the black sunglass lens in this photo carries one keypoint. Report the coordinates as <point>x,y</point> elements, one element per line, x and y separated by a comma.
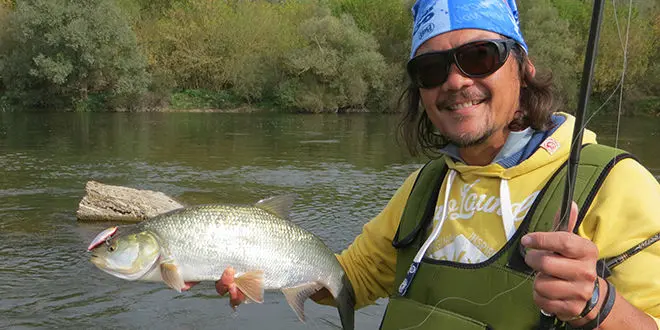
<point>479,59</point>
<point>429,70</point>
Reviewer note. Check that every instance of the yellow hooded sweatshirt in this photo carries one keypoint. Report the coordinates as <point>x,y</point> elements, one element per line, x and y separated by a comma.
<point>623,214</point>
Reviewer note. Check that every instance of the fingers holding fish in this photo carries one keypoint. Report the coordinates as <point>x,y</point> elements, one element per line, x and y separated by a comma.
<point>226,284</point>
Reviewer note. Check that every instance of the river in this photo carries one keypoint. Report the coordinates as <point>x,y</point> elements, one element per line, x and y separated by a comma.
<point>343,167</point>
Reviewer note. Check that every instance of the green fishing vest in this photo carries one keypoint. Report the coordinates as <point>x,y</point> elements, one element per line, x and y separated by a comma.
<point>496,293</point>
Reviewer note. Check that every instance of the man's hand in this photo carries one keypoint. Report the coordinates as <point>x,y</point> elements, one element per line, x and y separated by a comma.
<point>226,284</point>
<point>237,297</point>
<point>566,266</point>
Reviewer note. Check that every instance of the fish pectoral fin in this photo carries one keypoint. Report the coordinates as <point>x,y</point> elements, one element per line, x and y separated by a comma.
<point>297,295</point>
<point>171,276</point>
<point>252,285</point>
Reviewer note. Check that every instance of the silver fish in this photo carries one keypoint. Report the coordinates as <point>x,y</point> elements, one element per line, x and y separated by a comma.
<point>198,243</point>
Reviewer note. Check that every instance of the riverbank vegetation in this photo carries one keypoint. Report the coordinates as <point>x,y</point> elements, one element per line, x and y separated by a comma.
<point>289,55</point>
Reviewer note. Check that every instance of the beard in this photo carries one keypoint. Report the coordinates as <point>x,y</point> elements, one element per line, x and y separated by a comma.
<point>466,140</point>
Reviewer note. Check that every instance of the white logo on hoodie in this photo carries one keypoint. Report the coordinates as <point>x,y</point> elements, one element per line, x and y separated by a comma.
<point>475,249</point>
<point>471,203</point>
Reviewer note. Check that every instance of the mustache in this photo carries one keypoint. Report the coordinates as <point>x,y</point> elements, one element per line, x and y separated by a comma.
<point>462,96</point>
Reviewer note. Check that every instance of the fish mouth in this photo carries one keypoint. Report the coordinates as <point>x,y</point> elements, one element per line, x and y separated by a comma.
<point>96,260</point>
<point>102,237</point>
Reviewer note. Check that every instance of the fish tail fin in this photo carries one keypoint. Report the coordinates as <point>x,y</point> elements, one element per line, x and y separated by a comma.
<point>346,304</point>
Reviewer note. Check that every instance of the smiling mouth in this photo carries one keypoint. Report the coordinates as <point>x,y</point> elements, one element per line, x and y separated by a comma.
<point>458,106</point>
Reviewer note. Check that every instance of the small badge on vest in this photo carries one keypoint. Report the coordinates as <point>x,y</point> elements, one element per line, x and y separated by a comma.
<point>550,145</point>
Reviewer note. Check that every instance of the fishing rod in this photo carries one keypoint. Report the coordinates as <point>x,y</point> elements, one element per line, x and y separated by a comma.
<point>578,129</point>
<point>547,321</point>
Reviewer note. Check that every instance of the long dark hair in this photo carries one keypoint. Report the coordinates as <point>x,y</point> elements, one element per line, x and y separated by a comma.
<point>537,103</point>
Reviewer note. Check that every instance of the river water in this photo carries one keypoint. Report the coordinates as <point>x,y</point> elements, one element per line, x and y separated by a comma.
<point>343,167</point>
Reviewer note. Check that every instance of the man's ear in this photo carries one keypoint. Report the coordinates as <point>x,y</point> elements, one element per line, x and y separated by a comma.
<point>531,69</point>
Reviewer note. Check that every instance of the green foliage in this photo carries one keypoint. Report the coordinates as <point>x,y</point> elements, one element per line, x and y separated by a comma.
<point>4,24</point>
<point>387,20</point>
<point>577,14</point>
<point>62,51</point>
<point>299,55</point>
<point>557,33</point>
<point>552,47</point>
<point>611,49</point>
<point>203,99</point>
<point>335,70</point>
<point>225,45</point>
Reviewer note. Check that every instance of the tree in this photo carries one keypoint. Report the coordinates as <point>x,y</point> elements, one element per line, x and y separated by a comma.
<point>4,13</point>
<point>552,47</point>
<point>337,69</point>
<point>71,54</point>
<point>389,21</point>
<point>637,40</point>
<point>226,45</point>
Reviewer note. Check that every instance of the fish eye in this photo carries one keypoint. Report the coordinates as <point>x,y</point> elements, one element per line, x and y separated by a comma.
<point>112,247</point>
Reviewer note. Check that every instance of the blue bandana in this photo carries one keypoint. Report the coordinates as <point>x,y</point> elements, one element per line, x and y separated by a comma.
<point>434,17</point>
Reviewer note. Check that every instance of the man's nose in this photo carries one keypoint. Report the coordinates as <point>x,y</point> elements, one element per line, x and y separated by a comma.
<point>456,80</point>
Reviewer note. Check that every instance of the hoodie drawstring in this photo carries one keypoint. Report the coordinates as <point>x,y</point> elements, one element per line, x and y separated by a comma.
<point>403,288</point>
<point>507,211</point>
<point>507,221</point>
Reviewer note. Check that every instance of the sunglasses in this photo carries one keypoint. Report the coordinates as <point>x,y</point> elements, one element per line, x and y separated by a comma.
<point>475,59</point>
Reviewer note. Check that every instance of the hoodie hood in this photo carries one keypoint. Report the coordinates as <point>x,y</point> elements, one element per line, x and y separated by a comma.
<point>480,207</point>
<point>551,151</point>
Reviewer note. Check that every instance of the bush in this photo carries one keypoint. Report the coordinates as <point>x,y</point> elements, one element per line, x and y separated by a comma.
<point>218,45</point>
<point>59,53</point>
<point>335,70</point>
<point>4,25</point>
<point>389,21</point>
<point>552,48</point>
<point>203,99</point>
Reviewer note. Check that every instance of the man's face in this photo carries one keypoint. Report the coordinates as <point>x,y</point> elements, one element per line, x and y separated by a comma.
<point>471,111</point>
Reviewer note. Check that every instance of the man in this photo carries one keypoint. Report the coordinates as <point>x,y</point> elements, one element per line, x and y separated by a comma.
<point>447,247</point>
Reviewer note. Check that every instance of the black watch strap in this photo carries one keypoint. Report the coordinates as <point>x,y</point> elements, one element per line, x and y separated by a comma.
<point>605,309</point>
<point>595,296</point>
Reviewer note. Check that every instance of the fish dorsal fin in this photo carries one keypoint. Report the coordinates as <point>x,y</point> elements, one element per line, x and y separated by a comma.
<point>278,205</point>
<point>297,295</point>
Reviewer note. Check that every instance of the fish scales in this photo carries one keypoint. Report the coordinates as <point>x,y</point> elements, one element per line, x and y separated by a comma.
<point>248,238</point>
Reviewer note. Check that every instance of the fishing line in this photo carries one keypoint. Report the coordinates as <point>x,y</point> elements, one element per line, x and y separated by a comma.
<point>621,83</point>
<point>625,65</point>
<point>469,301</point>
<point>583,125</point>
<point>619,86</point>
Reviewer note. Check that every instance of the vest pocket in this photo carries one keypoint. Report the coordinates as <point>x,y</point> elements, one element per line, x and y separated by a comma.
<point>405,313</point>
